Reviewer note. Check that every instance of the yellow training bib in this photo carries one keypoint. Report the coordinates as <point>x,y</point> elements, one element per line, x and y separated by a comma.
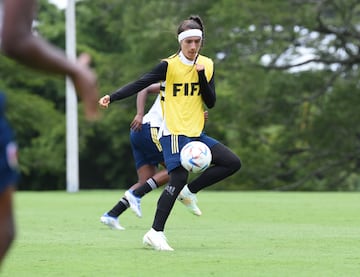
<point>183,105</point>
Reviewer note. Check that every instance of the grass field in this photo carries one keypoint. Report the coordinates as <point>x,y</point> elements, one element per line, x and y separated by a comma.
<point>239,234</point>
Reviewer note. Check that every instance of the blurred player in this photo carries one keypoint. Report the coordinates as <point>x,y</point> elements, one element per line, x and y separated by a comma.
<point>18,43</point>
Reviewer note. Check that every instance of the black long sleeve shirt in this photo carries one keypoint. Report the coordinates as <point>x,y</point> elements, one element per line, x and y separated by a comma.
<point>158,74</point>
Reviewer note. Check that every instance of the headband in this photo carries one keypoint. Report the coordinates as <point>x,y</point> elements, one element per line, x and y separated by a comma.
<point>189,33</point>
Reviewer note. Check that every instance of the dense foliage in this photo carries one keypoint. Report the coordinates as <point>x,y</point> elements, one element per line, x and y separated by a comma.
<point>287,80</point>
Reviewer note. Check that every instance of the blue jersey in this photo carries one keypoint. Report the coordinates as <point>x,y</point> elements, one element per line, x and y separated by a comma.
<point>8,150</point>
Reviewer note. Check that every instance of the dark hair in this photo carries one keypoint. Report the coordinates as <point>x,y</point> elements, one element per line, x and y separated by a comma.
<point>193,22</point>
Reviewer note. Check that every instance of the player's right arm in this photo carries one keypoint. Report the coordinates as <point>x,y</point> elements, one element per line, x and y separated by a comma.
<point>156,75</point>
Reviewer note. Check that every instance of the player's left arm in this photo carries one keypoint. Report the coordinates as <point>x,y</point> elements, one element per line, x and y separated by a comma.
<point>140,105</point>
<point>207,88</point>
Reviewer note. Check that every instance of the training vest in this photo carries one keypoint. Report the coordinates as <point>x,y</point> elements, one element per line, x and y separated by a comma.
<point>183,106</point>
<point>154,116</point>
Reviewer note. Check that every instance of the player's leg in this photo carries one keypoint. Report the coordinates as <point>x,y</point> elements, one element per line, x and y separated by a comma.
<point>136,192</point>
<point>147,184</point>
<point>148,180</point>
<point>110,218</point>
<point>145,172</point>
<point>143,168</point>
<point>7,222</point>
<point>155,237</point>
<point>148,147</point>
<point>178,178</point>
<point>224,163</point>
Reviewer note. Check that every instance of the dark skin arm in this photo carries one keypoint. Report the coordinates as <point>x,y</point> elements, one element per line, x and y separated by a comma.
<point>140,105</point>
<point>20,44</point>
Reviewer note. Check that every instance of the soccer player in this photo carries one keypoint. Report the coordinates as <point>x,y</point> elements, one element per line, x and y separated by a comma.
<point>18,43</point>
<point>189,84</point>
<point>148,156</point>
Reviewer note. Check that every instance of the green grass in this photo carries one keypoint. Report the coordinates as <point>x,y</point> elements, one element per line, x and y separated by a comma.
<point>239,234</point>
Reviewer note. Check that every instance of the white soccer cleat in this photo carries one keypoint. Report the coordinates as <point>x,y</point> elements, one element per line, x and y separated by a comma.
<point>189,200</point>
<point>156,240</point>
<point>135,202</point>
<point>112,222</point>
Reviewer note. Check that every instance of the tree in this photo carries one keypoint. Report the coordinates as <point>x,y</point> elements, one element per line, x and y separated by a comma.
<point>291,117</point>
<point>290,128</point>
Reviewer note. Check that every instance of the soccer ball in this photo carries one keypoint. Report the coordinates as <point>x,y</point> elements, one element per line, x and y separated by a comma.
<point>195,156</point>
